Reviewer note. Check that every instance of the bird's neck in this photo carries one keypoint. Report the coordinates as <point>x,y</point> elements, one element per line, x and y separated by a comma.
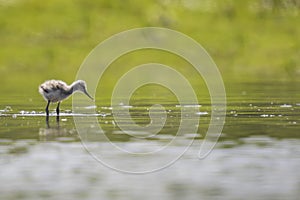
<point>74,87</point>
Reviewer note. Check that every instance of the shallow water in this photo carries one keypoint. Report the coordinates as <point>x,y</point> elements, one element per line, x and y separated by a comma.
<point>256,157</point>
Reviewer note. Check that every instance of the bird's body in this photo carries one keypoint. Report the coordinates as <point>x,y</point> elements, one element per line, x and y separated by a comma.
<point>55,91</point>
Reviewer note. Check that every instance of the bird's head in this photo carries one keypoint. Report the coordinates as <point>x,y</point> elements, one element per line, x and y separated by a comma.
<point>80,85</point>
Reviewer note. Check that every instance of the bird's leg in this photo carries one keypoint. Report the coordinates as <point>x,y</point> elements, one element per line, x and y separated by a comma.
<point>47,108</point>
<point>57,109</point>
<point>47,114</point>
<point>57,112</point>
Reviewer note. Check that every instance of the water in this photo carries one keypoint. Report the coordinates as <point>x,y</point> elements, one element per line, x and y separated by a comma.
<point>257,156</point>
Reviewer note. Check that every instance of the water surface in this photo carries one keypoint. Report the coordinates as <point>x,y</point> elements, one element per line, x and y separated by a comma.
<point>257,156</point>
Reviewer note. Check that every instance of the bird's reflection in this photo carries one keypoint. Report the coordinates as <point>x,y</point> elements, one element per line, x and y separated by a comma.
<point>54,131</point>
<point>48,124</point>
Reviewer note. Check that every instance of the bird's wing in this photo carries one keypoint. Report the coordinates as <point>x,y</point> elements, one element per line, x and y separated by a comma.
<point>52,86</point>
<point>44,89</point>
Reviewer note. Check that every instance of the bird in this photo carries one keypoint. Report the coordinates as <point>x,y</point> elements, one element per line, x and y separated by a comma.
<point>55,91</point>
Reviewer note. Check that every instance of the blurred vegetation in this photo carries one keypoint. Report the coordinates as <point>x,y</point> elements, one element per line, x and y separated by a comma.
<point>250,39</point>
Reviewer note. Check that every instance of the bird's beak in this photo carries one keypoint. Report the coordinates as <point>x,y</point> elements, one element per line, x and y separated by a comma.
<point>87,94</point>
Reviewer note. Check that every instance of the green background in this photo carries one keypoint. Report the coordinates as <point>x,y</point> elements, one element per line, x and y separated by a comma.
<point>248,40</point>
